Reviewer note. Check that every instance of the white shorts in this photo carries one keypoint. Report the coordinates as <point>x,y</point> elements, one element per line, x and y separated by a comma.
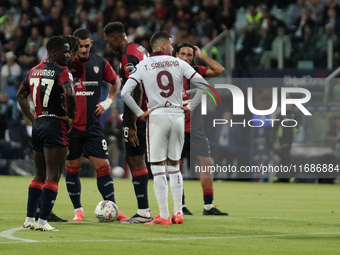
<point>165,137</point>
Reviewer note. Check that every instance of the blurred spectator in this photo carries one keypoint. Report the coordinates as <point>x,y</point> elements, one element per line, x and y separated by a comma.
<point>46,9</point>
<point>81,5</point>
<point>108,11</point>
<point>178,8</point>
<point>35,38</point>
<point>19,41</point>
<point>321,46</point>
<point>59,4</point>
<point>84,22</point>
<point>244,44</point>
<point>42,52</point>
<point>303,20</point>
<point>254,17</point>
<point>11,69</point>
<point>5,114</point>
<point>9,25</point>
<point>145,9</point>
<point>331,4</point>
<point>213,52</point>
<point>264,44</point>
<point>172,29</point>
<point>160,9</point>
<point>205,27</point>
<point>55,21</point>
<point>273,54</point>
<point>48,32</point>
<point>306,48</point>
<point>25,23</point>
<point>333,20</point>
<point>297,10</point>
<point>114,136</point>
<point>211,9</point>
<point>67,30</point>
<point>184,35</point>
<point>29,59</point>
<point>317,8</point>
<point>99,20</point>
<point>119,5</point>
<point>227,17</point>
<point>26,8</point>
<point>67,21</point>
<point>99,42</point>
<point>336,95</point>
<point>3,16</point>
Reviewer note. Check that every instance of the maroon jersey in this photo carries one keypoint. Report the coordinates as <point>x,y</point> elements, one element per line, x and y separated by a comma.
<point>132,55</point>
<point>45,84</point>
<point>89,75</point>
<point>186,97</point>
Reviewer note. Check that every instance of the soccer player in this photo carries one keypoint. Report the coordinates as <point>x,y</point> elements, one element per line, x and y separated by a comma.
<point>87,137</point>
<point>162,77</point>
<point>199,141</point>
<point>50,83</point>
<point>134,130</point>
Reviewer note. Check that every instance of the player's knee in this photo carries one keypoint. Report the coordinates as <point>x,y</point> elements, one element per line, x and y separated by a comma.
<point>135,162</point>
<point>73,162</point>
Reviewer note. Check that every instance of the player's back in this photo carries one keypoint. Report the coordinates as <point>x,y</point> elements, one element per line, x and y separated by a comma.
<point>45,84</point>
<point>162,77</point>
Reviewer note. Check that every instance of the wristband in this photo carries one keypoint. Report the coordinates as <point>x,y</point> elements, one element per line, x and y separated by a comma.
<point>106,103</point>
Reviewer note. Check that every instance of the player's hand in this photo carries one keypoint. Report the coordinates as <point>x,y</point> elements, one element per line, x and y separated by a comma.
<point>68,121</point>
<point>132,136</point>
<point>198,53</point>
<point>146,114</point>
<point>99,110</point>
<point>185,109</point>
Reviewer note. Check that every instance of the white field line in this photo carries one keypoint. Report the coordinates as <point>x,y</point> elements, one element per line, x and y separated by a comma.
<point>8,234</point>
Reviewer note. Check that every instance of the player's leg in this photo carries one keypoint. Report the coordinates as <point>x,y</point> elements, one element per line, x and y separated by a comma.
<point>35,188</point>
<point>201,149</point>
<point>185,154</point>
<point>157,145</point>
<point>175,144</point>
<point>73,166</point>
<point>135,158</point>
<point>55,162</point>
<point>95,148</point>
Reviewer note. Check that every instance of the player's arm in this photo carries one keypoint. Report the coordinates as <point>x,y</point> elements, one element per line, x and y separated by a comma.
<point>70,102</point>
<point>129,63</point>
<point>111,77</point>
<point>22,98</point>
<point>215,67</point>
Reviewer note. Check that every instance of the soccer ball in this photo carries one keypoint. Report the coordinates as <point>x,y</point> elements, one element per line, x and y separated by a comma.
<point>106,211</point>
<point>117,172</point>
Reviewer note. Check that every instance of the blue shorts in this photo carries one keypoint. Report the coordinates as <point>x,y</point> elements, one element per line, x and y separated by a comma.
<point>196,143</point>
<point>49,132</point>
<point>89,143</point>
<point>141,134</point>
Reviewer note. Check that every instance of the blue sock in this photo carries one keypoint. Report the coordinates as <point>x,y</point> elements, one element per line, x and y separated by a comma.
<point>105,183</point>
<point>49,195</point>
<point>208,195</point>
<point>140,184</point>
<point>34,193</point>
<point>73,185</point>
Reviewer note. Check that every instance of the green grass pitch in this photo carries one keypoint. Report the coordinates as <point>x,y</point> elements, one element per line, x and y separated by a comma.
<point>265,218</point>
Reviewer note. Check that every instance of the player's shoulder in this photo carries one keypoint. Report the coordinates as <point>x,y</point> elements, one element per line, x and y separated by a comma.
<point>135,49</point>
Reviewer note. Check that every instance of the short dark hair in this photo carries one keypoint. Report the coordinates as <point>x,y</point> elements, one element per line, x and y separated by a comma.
<point>55,43</point>
<point>185,44</point>
<point>72,41</point>
<point>114,28</point>
<point>158,36</point>
<point>82,34</point>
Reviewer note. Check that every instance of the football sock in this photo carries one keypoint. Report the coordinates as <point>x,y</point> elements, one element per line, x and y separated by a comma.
<point>49,195</point>
<point>176,186</point>
<point>34,193</point>
<point>78,209</point>
<point>30,219</point>
<point>144,212</point>
<point>42,222</point>
<point>73,185</point>
<point>140,178</point>
<point>105,183</point>
<point>160,186</point>
<point>208,195</point>
<point>208,206</point>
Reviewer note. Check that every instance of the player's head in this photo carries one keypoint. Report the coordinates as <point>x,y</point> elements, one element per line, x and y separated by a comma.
<point>85,42</point>
<point>58,50</point>
<point>114,34</point>
<point>161,41</point>
<point>74,46</point>
<point>186,52</point>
